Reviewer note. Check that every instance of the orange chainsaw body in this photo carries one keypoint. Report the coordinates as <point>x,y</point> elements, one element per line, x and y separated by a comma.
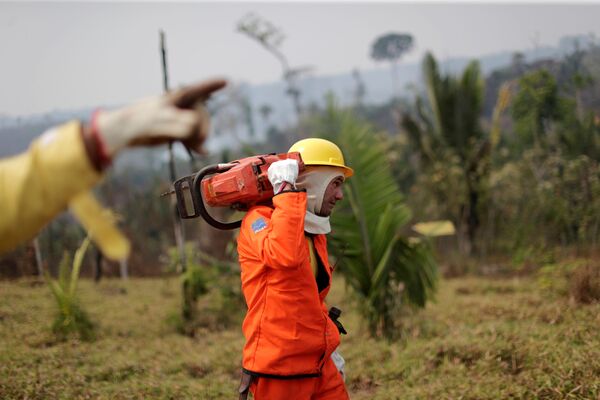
<point>245,184</point>
<point>238,184</point>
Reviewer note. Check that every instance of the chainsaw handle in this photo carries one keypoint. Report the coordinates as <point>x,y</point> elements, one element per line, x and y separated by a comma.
<point>198,202</point>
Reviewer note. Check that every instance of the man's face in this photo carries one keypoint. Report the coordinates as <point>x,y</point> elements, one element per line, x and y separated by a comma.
<point>333,194</point>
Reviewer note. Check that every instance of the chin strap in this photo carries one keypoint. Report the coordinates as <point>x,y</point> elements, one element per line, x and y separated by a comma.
<point>315,224</point>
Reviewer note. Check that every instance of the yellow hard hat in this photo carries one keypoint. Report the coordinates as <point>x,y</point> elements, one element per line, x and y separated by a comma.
<point>321,152</point>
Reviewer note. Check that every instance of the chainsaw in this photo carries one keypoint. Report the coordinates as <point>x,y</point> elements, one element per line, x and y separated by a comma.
<point>239,185</point>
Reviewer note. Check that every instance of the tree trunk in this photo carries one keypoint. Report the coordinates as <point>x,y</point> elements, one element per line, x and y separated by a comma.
<point>178,227</point>
<point>294,93</point>
<point>472,220</point>
<point>98,270</point>
<point>188,310</point>
<point>123,267</point>
<point>472,212</point>
<point>38,257</point>
<point>395,78</point>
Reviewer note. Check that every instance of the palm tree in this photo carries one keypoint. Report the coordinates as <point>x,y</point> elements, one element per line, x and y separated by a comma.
<point>448,125</point>
<point>385,268</point>
<point>390,47</point>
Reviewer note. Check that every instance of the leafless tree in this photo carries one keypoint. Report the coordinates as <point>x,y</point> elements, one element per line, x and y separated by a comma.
<point>271,37</point>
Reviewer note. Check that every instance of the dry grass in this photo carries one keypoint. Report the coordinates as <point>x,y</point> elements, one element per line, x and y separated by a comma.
<point>584,285</point>
<point>482,339</point>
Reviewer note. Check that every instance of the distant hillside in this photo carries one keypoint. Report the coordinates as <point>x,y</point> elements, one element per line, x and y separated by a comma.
<point>17,132</point>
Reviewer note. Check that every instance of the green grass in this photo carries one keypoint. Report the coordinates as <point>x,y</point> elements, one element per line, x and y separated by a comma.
<point>481,339</point>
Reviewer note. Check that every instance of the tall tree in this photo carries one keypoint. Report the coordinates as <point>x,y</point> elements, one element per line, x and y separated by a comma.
<point>271,37</point>
<point>535,106</point>
<point>390,47</point>
<point>446,126</point>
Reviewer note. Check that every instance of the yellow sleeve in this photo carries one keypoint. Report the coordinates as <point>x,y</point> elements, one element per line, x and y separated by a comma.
<point>37,185</point>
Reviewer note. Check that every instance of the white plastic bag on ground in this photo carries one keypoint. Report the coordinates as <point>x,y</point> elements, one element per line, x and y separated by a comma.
<point>339,362</point>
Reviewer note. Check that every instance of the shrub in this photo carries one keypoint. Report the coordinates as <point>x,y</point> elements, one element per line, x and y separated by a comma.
<point>554,278</point>
<point>195,284</point>
<point>70,317</point>
<point>211,297</point>
<point>577,279</point>
<point>584,285</point>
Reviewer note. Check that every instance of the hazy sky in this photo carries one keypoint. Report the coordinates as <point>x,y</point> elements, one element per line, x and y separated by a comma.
<point>72,55</point>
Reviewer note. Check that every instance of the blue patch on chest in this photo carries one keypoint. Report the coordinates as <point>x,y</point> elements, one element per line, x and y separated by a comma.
<point>259,225</point>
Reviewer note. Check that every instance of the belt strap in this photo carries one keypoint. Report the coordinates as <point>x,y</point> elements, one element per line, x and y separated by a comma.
<point>245,385</point>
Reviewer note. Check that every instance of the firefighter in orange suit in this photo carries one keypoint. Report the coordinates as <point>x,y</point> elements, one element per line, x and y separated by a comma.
<point>68,160</point>
<point>286,276</point>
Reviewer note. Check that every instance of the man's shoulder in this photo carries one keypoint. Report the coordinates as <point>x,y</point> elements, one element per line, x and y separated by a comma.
<point>263,211</point>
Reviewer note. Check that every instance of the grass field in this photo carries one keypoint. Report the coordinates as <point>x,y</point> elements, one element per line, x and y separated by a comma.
<point>481,339</point>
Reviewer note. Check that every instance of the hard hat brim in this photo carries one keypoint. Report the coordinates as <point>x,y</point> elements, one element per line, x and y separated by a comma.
<point>348,172</point>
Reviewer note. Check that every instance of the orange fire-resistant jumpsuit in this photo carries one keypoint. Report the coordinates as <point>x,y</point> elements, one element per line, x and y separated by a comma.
<point>289,336</point>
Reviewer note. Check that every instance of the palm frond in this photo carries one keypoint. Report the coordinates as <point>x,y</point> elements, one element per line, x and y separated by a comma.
<point>367,225</point>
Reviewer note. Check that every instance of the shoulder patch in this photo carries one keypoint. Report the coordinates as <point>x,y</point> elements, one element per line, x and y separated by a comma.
<point>259,225</point>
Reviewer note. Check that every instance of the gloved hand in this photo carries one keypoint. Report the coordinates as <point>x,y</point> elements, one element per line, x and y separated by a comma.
<point>282,172</point>
<point>179,115</point>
